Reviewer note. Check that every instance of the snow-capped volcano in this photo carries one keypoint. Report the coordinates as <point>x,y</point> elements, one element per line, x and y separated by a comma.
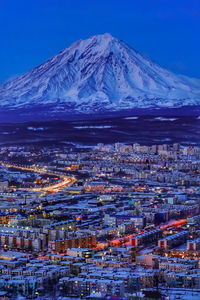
<point>101,73</point>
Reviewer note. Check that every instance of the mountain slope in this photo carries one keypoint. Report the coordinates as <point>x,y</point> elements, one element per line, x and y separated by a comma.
<point>98,74</point>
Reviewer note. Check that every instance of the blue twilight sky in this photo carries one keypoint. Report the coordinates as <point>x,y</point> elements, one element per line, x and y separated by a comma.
<point>167,31</point>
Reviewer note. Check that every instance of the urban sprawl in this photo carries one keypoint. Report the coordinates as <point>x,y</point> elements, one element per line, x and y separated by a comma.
<point>99,222</point>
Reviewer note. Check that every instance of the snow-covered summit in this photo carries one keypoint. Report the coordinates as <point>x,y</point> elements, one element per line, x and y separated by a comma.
<point>97,74</point>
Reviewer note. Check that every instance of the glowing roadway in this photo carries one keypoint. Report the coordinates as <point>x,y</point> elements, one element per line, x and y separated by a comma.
<point>55,187</point>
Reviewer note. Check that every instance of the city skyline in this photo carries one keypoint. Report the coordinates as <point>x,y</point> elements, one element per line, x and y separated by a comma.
<point>99,149</point>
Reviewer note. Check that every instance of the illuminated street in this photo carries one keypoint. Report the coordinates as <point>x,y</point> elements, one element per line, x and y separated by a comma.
<point>66,181</point>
